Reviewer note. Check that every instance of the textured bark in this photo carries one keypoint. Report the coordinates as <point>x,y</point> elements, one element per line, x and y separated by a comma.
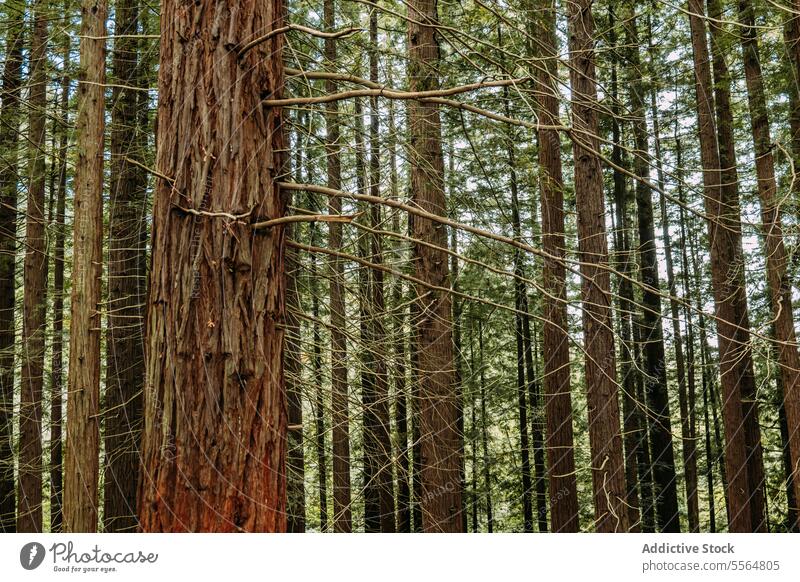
<point>9,143</point>
<point>686,394</point>
<point>555,341</point>
<point>631,417</point>
<point>608,467</point>
<point>437,398</point>
<point>81,469</point>
<point>340,416</point>
<point>57,365</point>
<point>780,286</point>
<point>319,396</point>
<point>723,246</point>
<point>295,466</point>
<point>400,354</point>
<point>382,453</point>
<point>126,276</point>
<point>720,48</point>
<point>29,491</point>
<point>214,439</point>
<point>652,335</point>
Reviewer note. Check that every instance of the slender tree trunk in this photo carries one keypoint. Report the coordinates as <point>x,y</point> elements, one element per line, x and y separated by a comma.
<point>57,366</point>
<point>29,491</point>
<point>295,461</point>
<point>126,285</point>
<point>555,346</point>
<point>342,520</point>
<point>780,285</point>
<point>791,35</point>
<point>743,456</point>
<point>520,303</point>
<point>608,472</point>
<point>319,398</point>
<point>487,474</point>
<point>438,403</point>
<point>686,394</point>
<point>655,373</point>
<point>216,302</point>
<point>632,421</point>
<point>9,143</point>
<point>379,336</point>
<point>400,354</point>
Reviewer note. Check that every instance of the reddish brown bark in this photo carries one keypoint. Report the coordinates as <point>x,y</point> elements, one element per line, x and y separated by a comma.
<point>126,276</point>
<point>723,245</point>
<point>608,468</point>
<point>772,223</point>
<point>440,442</point>
<point>29,490</point>
<point>340,417</point>
<point>81,468</point>
<point>214,439</point>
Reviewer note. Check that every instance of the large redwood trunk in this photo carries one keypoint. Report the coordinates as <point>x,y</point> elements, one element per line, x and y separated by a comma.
<point>214,439</point>
<point>440,442</point>
<point>81,468</point>
<point>126,276</point>
<point>340,417</point>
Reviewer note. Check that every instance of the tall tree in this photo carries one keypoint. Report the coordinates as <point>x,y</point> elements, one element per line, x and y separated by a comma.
<point>342,515</point>
<point>9,144</point>
<point>608,472</point>
<point>440,443</point>
<point>652,335</point>
<point>214,438</point>
<point>29,491</point>
<point>555,341</point>
<point>721,227</point>
<point>57,362</point>
<point>126,273</point>
<point>780,286</point>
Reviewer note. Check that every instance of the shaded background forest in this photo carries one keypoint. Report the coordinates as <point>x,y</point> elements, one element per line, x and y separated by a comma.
<point>689,258</point>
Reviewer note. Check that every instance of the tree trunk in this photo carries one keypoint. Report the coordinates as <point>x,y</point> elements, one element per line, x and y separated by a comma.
<point>81,470</point>
<point>631,419</point>
<point>9,143</point>
<point>400,354</point>
<point>655,372</point>
<point>340,416</point>
<point>57,366</point>
<point>555,346</point>
<point>608,473</point>
<point>126,275</point>
<point>438,403</point>
<point>777,259</point>
<point>216,303</point>
<point>29,492</point>
<point>723,250</point>
<point>295,464</point>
